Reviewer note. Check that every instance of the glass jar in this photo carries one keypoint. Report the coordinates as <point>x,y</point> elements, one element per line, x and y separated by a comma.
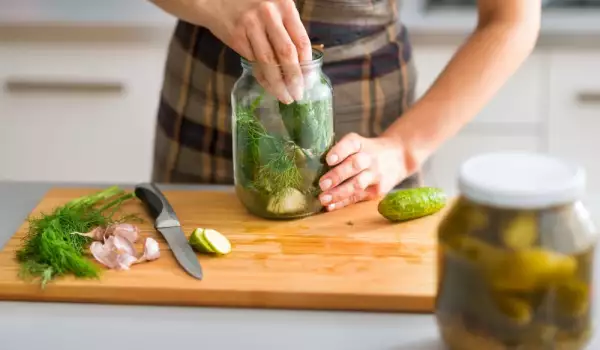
<point>516,256</point>
<point>279,148</point>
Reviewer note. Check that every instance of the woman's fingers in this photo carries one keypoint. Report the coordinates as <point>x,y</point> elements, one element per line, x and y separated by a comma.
<point>284,48</point>
<point>358,197</point>
<point>297,32</point>
<point>349,189</point>
<point>266,60</point>
<point>350,167</point>
<point>347,146</point>
<point>241,44</point>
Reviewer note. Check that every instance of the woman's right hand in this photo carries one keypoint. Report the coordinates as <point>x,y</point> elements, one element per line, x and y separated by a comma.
<point>269,33</point>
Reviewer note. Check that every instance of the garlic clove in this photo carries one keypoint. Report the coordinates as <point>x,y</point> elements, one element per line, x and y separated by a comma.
<point>122,245</point>
<point>151,250</point>
<point>124,261</point>
<point>103,254</point>
<point>128,231</point>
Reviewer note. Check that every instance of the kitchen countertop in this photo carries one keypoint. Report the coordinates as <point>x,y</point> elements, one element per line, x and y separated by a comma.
<point>25,325</point>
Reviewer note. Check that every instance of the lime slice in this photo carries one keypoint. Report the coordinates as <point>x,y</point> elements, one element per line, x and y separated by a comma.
<point>209,241</point>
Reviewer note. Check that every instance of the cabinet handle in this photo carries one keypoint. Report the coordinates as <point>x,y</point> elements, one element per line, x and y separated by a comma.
<point>589,97</point>
<point>58,86</point>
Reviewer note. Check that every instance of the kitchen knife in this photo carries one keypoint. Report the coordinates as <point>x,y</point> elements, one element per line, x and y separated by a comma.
<point>167,223</point>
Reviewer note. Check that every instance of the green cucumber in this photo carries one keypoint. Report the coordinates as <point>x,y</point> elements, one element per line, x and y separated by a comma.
<point>412,203</point>
<point>209,241</point>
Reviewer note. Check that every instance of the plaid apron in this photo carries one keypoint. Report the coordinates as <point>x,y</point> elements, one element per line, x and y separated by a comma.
<point>367,57</point>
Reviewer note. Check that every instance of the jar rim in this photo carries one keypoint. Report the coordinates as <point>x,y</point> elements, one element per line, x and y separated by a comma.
<point>317,60</point>
<point>521,180</point>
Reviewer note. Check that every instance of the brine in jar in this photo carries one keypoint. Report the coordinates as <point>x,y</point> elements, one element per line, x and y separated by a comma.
<point>516,256</point>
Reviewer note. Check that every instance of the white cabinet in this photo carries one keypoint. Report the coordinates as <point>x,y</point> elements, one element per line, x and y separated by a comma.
<point>79,111</point>
<point>574,110</point>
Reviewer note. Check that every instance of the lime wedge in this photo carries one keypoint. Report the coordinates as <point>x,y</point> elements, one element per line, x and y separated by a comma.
<point>209,241</point>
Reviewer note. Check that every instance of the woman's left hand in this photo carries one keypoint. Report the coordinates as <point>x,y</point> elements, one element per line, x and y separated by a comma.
<point>362,169</point>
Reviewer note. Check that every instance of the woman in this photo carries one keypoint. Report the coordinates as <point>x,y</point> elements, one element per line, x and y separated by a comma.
<point>386,136</point>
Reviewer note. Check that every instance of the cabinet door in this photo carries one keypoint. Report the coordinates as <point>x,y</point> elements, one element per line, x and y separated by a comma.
<point>442,168</point>
<point>574,107</point>
<point>521,101</point>
<point>78,112</point>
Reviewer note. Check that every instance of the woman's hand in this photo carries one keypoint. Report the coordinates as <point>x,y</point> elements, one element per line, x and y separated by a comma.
<point>363,169</point>
<point>268,32</point>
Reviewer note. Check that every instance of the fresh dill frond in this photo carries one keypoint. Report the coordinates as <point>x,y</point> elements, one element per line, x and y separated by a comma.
<point>50,250</point>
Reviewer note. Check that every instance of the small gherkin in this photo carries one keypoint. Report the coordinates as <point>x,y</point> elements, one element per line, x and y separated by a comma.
<point>412,203</point>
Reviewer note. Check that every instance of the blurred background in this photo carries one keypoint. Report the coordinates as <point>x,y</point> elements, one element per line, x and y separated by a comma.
<point>80,79</point>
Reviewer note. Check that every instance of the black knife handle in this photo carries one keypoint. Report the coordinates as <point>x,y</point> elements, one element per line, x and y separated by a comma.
<point>158,206</point>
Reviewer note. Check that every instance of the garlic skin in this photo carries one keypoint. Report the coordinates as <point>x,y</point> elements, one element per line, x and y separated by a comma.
<point>128,231</point>
<point>118,253</point>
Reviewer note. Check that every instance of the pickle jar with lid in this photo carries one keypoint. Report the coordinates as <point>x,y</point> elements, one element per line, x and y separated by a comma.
<point>516,254</point>
<point>279,147</point>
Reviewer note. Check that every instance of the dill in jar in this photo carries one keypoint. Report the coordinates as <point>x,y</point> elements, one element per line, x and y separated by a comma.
<point>280,153</point>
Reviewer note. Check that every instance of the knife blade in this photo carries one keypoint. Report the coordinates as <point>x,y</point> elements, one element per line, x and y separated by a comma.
<point>167,223</point>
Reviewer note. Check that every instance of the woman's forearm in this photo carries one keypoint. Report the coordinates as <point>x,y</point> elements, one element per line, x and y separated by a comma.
<point>475,73</point>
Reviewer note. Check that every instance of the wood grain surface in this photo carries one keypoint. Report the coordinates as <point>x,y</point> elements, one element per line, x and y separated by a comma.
<point>352,259</point>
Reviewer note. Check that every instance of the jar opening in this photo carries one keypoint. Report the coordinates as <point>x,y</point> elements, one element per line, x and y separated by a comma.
<point>316,61</point>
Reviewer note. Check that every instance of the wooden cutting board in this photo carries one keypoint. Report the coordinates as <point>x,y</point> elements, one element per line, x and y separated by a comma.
<point>352,259</point>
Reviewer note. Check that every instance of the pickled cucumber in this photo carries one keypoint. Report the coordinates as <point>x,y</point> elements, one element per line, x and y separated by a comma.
<point>484,255</point>
<point>572,298</point>
<point>517,309</point>
<point>408,204</point>
<point>521,232</point>
<point>527,270</point>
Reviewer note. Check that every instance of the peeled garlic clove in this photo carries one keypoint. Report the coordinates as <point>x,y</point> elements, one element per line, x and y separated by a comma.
<point>124,261</point>
<point>128,231</point>
<point>151,250</point>
<point>103,254</point>
<point>116,252</point>
<point>122,245</point>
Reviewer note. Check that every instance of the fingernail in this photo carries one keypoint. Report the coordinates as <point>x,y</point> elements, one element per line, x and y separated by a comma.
<point>332,159</point>
<point>326,199</point>
<point>331,206</point>
<point>325,184</point>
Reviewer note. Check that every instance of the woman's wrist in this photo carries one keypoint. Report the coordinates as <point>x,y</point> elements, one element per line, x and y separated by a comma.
<point>414,140</point>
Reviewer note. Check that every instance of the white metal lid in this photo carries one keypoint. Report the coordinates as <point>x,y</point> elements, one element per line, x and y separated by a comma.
<point>521,180</point>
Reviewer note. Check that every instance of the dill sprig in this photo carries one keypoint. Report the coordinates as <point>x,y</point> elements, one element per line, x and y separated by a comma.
<point>50,249</point>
